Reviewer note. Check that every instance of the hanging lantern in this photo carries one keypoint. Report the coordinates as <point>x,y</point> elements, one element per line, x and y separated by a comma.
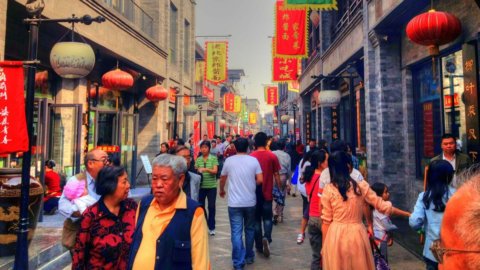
<point>190,110</point>
<point>434,28</point>
<point>72,60</point>
<point>102,91</point>
<point>285,118</point>
<point>156,93</point>
<point>329,98</point>
<point>41,79</point>
<point>117,80</point>
<point>210,118</point>
<point>223,123</point>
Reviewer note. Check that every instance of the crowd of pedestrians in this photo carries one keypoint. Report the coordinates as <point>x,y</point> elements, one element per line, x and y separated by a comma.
<point>347,219</point>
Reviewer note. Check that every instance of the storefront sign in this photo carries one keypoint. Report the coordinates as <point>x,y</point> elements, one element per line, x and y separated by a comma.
<point>207,92</point>
<point>229,102</point>
<point>428,141</point>
<point>448,101</point>
<point>335,124</point>
<point>216,61</point>
<point>210,129</point>
<point>237,104</point>
<point>271,95</point>
<point>109,148</point>
<point>471,100</point>
<point>186,100</point>
<point>13,126</point>
<point>199,71</point>
<point>290,32</point>
<point>294,86</point>
<point>252,119</point>
<point>307,125</point>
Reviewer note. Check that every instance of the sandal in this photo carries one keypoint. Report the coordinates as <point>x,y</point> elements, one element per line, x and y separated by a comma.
<point>300,238</point>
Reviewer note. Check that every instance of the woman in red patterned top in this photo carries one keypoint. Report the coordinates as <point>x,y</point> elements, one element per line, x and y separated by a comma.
<point>106,228</point>
<point>53,188</point>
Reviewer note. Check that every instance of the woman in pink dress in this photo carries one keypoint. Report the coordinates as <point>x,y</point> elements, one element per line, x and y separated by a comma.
<point>346,245</point>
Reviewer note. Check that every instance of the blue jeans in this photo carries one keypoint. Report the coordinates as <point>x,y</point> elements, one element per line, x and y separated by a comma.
<point>263,212</point>
<point>211,195</point>
<point>242,218</point>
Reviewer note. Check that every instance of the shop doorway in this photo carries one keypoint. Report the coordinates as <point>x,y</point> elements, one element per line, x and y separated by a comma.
<point>116,133</point>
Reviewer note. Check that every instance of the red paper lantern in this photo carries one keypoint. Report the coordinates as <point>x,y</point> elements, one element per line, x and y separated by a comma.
<point>101,92</point>
<point>117,80</point>
<point>156,93</point>
<point>434,28</point>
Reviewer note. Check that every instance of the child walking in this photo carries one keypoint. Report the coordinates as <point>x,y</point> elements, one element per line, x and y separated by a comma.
<point>382,224</point>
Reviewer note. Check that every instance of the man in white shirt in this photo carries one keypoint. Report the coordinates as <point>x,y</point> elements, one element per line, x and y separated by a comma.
<point>244,174</point>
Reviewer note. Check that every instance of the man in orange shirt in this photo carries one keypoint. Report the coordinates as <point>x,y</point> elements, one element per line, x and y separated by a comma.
<point>171,230</point>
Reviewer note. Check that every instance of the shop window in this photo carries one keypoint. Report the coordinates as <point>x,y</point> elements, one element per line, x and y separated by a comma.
<point>452,85</point>
<point>428,115</point>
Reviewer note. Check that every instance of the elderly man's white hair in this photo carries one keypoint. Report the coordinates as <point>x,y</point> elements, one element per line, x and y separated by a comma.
<point>177,163</point>
<point>468,225</point>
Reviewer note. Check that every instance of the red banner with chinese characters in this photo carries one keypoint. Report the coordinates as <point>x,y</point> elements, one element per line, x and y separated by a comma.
<point>13,125</point>
<point>448,101</point>
<point>207,92</point>
<point>428,140</point>
<point>271,95</point>
<point>216,58</point>
<point>210,129</point>
<point>290,32</point>
<point>229,102</point>
<point>186,100</point>
<point>196,138</point>
<point>284,69</point>
<point>171,95</point>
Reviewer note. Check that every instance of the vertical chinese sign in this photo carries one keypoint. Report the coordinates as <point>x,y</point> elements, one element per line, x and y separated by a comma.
<point>471,100</point>
<point>237,104</point>
<point>290,32</point>
<point>284,69</point>
<point>216,61</point>
<point>252,119</point>
<point>271,95</point>
<point>229,102</point>
<point>313,4</point>
<point>210,129</point>
<point>13,126</point>
<point>428,140</point>
<point>199,71</point>
<point>334,123</point>
<point>172,92</point>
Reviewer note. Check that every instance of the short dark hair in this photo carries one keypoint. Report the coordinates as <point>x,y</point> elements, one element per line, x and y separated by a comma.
<point>338,145</point>
<point>379,188</point>
<point>241,145</point>
<point>274,146</point>
<point>50,163</point>
<point>180,142</point>
<point>107,180</point>
<point>260,139</point>
<point>207,143</point>
<point>448,136</point>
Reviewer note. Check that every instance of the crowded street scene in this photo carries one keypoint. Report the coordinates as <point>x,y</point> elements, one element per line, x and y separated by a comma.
<point>253,134</point>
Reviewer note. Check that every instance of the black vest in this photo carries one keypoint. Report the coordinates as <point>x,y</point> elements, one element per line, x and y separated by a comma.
<point>173,247</point>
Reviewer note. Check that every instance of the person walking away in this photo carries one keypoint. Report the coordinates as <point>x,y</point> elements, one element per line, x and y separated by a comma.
<point>241,201</point>
<point>319,162</point>
<point>170,230</point>
<point>270,168</point>
<point>191,184</point>
<point>52,187</point>
<point>345,241</point>
<point>304,163</point>
<point>106,227</point>
<point>430,206</point>
<point>285,174</point>
<point>382,224</point>
<point>207,165</point>
<point>458,160</point>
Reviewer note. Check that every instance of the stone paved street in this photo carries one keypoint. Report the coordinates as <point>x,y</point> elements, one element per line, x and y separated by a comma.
<point>285,253</point>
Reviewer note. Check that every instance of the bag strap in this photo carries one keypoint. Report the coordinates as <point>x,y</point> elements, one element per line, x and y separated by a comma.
<point>313,188</point>
<point>374,247</point>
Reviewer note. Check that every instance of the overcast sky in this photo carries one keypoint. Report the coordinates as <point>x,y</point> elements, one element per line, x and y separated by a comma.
<point>250,22</point>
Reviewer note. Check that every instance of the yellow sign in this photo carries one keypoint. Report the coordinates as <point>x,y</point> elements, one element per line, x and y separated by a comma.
<point>216,65</point>
<point>199,70</point>
<point>237,107</point>
<point>252,119</point>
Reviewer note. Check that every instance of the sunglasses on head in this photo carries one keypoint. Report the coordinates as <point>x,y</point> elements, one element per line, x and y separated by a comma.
<point>438,250</point>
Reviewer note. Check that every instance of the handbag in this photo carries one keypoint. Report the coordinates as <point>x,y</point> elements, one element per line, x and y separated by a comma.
<point>69,233</point>
<point>278,196</point>
<point>380,261</point>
